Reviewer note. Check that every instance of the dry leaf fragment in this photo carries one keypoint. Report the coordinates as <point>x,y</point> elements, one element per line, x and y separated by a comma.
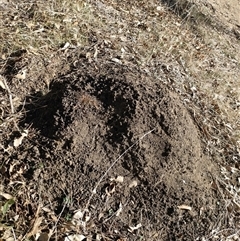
<point>17,182</point>
<point>36,227</point>
<point>110,189</point>
<point>2,85</point>
<point>39,30</point>
<point>185,207</point>
<point>6,195</point>
<point>7,235</point>
<point>98,237</point>
<point>133,184</point>
<point>80,218</point>
<point>123,38</point>
<point>88,57</point>
<point>229,126</point>
<point>77,218</point>
<point>118,61</point>
<point>18,141</point>
<point>119,210</point>
<point>131,229</point>
<point>66,45</point>
<point>21,75</point>
<point>13,165</point>
<point>75,237</point>
<point>57,25</point>
<point>47,210</point>
<point>118,179</point>
<point>16,217</point>
<point>67,20</point>
<point>96,52</point>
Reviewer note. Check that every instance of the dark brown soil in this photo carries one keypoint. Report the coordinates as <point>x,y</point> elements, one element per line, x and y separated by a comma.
<point>92,114</point>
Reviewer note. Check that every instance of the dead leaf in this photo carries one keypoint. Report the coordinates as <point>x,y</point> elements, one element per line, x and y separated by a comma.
<point>57,25</point>
<point>81,218</point>
<point>66,45</point>
<point>5,195</point>
<point>7,235</point>
<point>77,217</point>
<point>133,184</point>
<point>118,179</point>
<point>37,223</point>
<point>17,182</point>
<point>101,215</point>
<point>75,237</point>
<point>96,53</point>
<point>88,57</point>
<point>160,8</point>
<point>67,20</point>
<point>110,189</point>
<point>98,237</point>
<point>16,217</point>
<point>119,210</point>
<point>131,229</point>
<point>30,25</point>
<point>50,213</point>
<point>2,85</point>
<point>123,38</point>
<point>118,61</point>
<point>36,227</point>
<point>18,141</point>
<point>21,75</point>
<point>39,30</point>
<point>13,165</point>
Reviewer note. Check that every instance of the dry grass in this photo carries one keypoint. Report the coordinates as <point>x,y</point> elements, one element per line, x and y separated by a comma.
<point>198,56</point>
<point>39,27</point>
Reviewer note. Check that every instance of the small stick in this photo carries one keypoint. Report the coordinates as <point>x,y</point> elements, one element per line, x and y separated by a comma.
<point>111,166</point>
<point>14,236</point>
<point>9,94</point>
<point>55,226</point>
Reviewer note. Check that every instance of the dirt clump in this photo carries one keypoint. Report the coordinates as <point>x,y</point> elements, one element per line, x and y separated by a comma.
<point>93,114</point>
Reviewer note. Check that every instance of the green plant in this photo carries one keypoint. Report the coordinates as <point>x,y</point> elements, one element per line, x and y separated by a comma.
<point>7,205</point>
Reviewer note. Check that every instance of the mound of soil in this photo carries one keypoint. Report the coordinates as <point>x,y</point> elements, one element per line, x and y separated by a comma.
<point>92,115</point>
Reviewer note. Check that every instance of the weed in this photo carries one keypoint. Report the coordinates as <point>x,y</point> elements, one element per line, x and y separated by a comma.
<point>6,207</point>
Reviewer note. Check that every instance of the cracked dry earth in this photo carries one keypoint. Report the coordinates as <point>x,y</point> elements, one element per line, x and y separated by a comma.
<point>91,115</point>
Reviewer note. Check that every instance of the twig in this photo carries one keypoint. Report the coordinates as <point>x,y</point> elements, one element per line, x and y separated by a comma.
<point>54,227</point>
<point>14,236</point>
<point>9,94</point>
<point>111,166</point>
